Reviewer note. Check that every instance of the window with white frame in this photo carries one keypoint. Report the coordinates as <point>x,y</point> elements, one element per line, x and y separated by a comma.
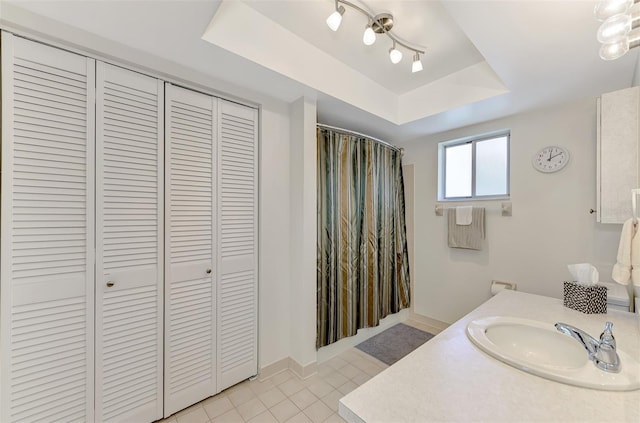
<point>474,168</point>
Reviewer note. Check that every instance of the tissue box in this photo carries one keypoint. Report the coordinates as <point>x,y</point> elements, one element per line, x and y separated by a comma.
<point>585,299</point>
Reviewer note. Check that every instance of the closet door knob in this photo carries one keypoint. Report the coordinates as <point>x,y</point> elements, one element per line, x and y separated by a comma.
<point>208,271</point>
<point>110,284</point>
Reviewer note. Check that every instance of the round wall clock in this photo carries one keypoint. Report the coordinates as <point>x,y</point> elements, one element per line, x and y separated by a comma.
<point>550,159</point>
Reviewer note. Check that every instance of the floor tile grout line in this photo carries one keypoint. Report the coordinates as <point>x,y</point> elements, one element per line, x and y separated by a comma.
<point>321,402</point>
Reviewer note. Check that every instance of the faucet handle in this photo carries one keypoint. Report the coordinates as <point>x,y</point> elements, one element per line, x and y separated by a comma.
<point>606,337</point>
<point>606,357</point>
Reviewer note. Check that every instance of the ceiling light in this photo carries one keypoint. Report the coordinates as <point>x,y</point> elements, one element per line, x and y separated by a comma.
<point>620,30</point>
<point>335,19</point>
<point>394,54</point>
<point>608,8</point>
<point>612,51</point>
<point>416,66</point>
<point>614,28</point>
<point>369,36</point>
<point>378,24</point>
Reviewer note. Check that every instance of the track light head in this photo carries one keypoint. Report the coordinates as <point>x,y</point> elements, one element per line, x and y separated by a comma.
<point>369,36</point>
<point>394,54</point>
<point>615,50</point>
<point>335,19</point>
<point>614,29</point>
<point>416,66</point>
<point>608,8</point>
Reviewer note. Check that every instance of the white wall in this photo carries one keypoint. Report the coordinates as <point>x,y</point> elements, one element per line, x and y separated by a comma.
<point>274,300</point>
<point>550,227</point>
<point>303,233</point>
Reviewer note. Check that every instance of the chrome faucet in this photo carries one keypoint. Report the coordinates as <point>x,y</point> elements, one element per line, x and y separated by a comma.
<point>602,353</point>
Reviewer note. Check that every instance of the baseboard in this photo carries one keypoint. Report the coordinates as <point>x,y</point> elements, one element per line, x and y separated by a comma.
<point>328,352</point>
<point>435,326</point>
<point>431,325</point>
<point>273,369</point>
<point>288,363</point>
<point>301,371</point>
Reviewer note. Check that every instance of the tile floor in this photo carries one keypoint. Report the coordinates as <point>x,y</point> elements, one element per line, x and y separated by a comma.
<point>286,398</point>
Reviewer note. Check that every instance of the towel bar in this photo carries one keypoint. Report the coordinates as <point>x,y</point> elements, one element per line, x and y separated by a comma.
<point>505,209</point>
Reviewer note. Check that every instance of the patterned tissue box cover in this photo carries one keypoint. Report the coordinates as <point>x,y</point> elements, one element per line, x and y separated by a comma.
<point>585,299</point>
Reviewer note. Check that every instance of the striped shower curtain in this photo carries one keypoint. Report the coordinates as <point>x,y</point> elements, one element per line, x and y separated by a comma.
<point>363,263</point>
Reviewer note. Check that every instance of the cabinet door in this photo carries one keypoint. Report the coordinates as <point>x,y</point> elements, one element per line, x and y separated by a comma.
<point>237,243</point>
<point>129,245</point>
<point>47,233</point>
<point>190,374</point>
<point>618,139</point>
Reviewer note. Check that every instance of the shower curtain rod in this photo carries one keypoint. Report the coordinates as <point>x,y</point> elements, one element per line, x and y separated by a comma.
<point>348,132</point>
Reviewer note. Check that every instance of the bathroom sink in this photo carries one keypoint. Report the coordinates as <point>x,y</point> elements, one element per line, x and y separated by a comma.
<point>538,348</point>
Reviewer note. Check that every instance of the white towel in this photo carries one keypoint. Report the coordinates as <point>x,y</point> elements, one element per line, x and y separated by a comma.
<point>464,215</point>
<point>635,257</point>
<point>622,269</point>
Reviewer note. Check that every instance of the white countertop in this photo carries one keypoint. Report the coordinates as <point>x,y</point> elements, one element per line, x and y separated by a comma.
<point>450,379</point>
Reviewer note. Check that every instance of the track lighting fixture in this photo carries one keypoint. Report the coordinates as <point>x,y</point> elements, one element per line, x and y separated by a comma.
<point>620,29</point>
<point>378,24</point>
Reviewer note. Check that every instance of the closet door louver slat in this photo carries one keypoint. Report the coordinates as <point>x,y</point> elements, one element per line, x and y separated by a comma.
<point>237,243</point>
<point>129,245</point>
<point>190,374</point>
<point>47,234</point>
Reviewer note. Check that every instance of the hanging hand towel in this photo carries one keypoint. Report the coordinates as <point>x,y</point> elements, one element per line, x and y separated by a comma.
<point>466,236</point>
<point>622,269</point>
<point>464,215</point>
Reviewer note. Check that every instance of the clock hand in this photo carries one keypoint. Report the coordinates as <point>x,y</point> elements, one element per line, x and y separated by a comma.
<point>559,154</point>
<point>549,159</point>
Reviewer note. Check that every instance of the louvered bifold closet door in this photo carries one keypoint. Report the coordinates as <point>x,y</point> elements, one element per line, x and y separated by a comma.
<point>237,243</point>
<point>129,245</point>
<point>47,234</point>
<point>190,374</point>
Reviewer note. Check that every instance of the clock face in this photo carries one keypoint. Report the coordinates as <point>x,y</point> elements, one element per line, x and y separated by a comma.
<point>550,159</point>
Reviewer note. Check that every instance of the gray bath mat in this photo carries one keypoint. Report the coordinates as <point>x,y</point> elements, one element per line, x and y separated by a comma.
<point>394,343</point>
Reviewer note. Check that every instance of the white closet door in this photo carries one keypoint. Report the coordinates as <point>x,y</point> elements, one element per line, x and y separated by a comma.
<point>47,230</point>
<point>237,251</point>
<point>129,245</point>
<point>190,373</point>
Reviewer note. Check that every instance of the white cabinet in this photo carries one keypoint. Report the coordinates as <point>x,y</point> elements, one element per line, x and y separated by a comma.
<point>618,127</point>
<point>47,296</point>
<point>128,279</point>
